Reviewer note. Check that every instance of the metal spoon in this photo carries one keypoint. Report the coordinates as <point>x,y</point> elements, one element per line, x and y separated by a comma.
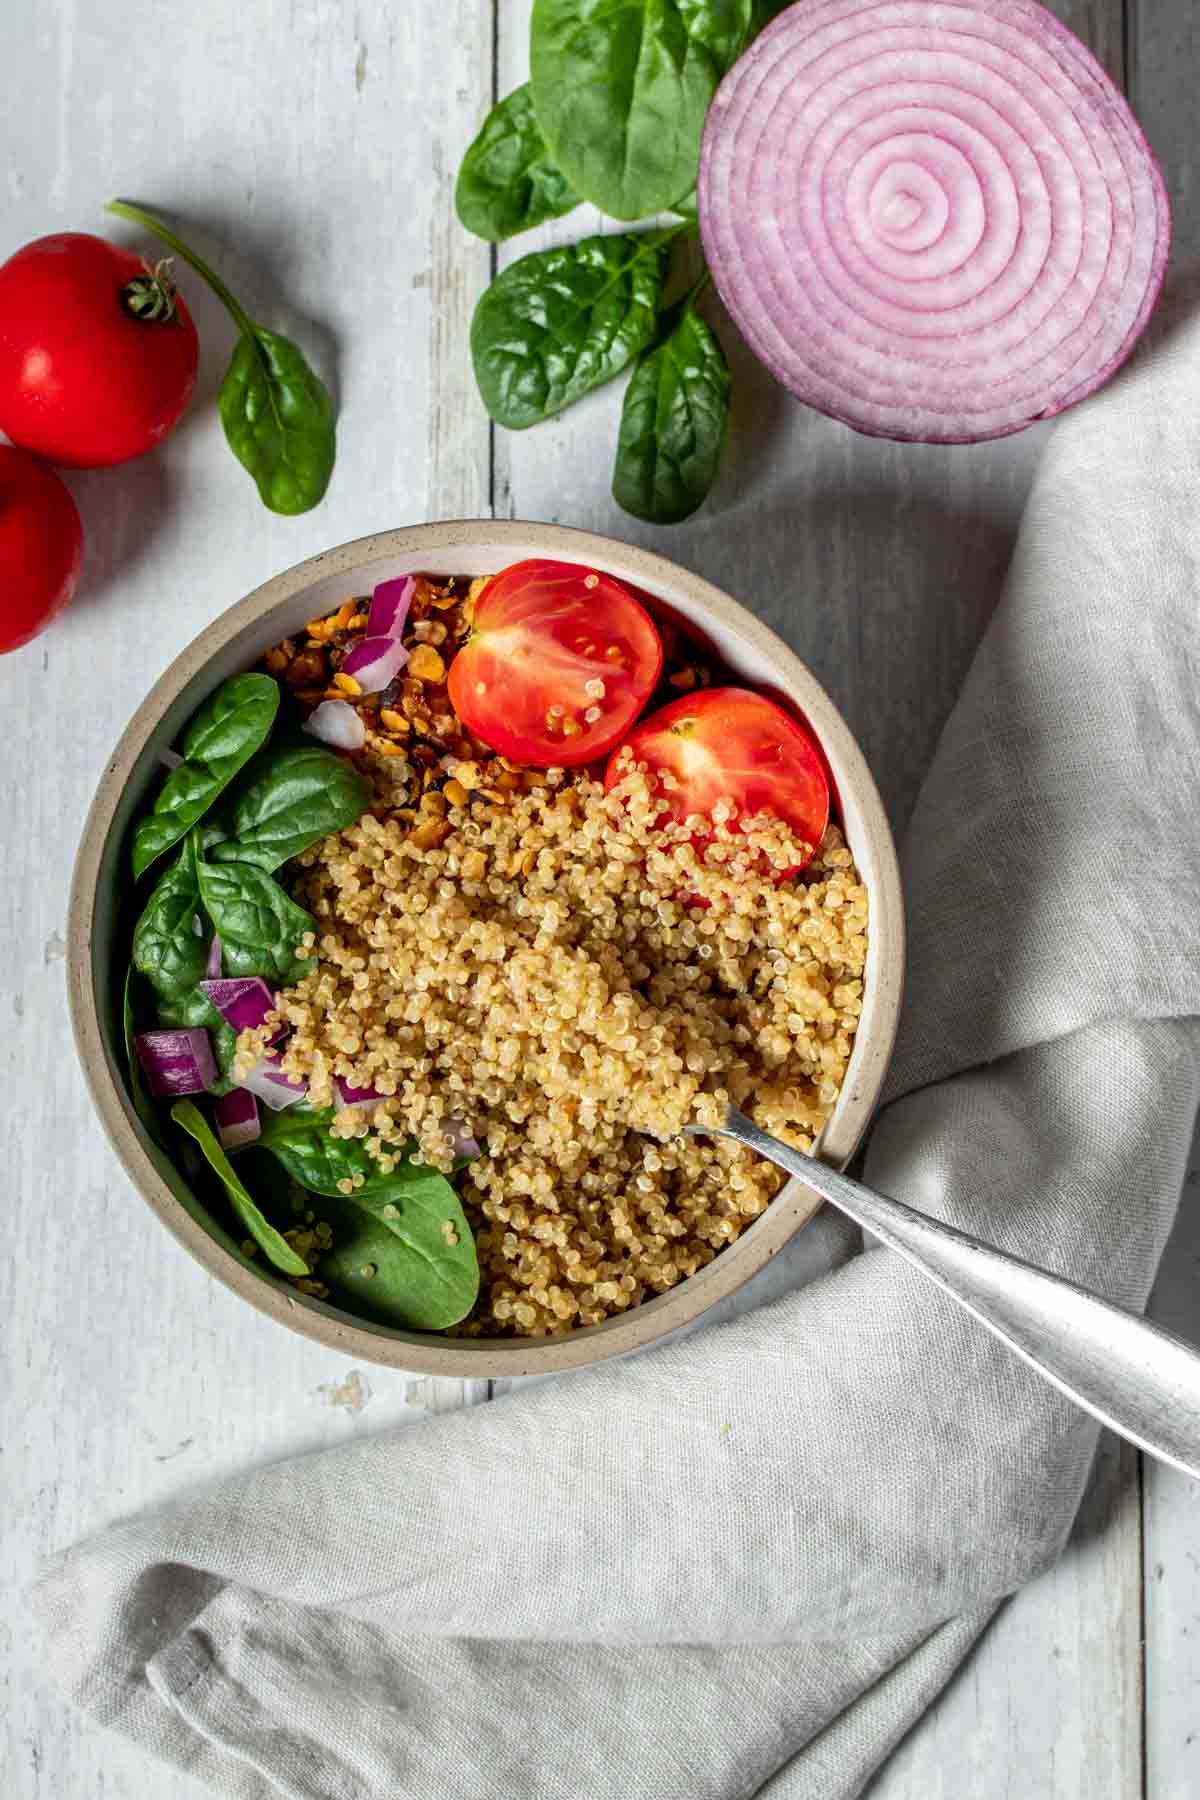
<point>1140,1380</point>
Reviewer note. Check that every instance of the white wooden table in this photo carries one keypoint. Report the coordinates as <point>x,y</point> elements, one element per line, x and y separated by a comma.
<point>309,149</point>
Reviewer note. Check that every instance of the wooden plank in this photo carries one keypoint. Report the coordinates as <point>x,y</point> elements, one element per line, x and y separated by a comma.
<point>1164,56</point>
<point>322,192</point>
<point>1172,1555</point>
<point>1164,60</point>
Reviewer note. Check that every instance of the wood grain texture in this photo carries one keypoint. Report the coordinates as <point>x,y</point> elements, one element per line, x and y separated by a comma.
<point>1171,1507</point>
<point>325,196</point>
<point>322,192</point>
<point>1164,76</point>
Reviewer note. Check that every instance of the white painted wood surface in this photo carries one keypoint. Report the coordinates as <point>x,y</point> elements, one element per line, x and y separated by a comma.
<point>310,148</point>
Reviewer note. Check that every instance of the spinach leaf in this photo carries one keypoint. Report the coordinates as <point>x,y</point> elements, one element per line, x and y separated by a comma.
<point>403,1250</point>
<point>167,949</point>
<point>508,181</point>
<point>258,925</point>
<point>219,741</point>
<point>143,1106</point>
<point>272,1243</point>
<point>300,1138</point>
<point>289,801</point>
<point>278,420</point>
<point>404,1255</point>
<point>560,322</point>
<point>673,423</point>
<point>277,414</point>
<point>621,87</point>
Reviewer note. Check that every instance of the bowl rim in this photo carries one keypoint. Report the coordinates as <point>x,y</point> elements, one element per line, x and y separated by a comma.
<point>653,1320</point>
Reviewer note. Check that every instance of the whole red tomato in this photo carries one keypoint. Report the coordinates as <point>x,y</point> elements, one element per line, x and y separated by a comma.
<point>97,354</point>
<point>41,546</point>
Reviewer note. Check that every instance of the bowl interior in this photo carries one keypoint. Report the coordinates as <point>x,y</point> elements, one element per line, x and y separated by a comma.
<point>235,642</point>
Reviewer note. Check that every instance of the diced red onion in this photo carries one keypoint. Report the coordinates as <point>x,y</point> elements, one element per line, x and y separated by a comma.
<point>214,958</point>
<point>375,662</point>
<point>243,1001</point>
<point>237,1120</point>
<point>176,1062</point>
<point>461,1141</point>
<point>931,219</point>
<point>275,1089</point>
<point>389,607</point>
<point>170,759</point>
<point>336,723</point>
<point>356,1096</point>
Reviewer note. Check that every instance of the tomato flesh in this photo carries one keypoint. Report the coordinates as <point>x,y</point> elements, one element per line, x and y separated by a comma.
<point>82,382</point>
<point>730,744</point>
<point>560,661</point>
<point>41,546</point>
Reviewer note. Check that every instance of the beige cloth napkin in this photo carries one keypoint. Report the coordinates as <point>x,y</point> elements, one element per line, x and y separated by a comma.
<point>659,1581</point>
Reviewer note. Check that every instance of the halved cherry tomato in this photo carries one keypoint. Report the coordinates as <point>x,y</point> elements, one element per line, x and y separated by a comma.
<point>560,661</point>
<point>730,744</point>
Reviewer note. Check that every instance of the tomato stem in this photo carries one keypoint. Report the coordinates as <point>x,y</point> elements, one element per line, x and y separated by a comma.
<point>150,298</point>
<point>125,209</point>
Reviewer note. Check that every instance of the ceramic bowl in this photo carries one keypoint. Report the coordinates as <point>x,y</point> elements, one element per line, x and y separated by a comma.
<point>99,894</point>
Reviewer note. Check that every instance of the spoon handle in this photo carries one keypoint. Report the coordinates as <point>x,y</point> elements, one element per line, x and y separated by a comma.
<point>1135,1377</point>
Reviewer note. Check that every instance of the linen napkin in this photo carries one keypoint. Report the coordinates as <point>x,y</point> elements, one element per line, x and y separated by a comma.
<point>660,1581</point>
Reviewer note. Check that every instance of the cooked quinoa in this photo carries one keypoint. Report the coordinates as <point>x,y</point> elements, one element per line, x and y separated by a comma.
<point>568,979</point>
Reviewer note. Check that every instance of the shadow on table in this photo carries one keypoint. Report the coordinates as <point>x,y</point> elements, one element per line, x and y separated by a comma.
<point>258,268</point>
<point>123,510</point>
<point>879,563</point>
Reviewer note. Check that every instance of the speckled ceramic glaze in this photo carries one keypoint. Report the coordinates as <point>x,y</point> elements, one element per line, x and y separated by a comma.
<point>101,885</point>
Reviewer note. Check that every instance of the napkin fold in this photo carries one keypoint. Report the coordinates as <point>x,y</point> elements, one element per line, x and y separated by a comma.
<point>745,1563</point>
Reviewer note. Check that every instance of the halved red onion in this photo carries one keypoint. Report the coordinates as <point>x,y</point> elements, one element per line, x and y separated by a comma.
<point>389,607</point>
<point>236,1116</point>
<point>243,1001</point>
<point>214,959</point>
<point>932,219</point>
<point>275,1089</point>
<point>176,1062</point>
<point>336,723</point>
<point>375,662</point>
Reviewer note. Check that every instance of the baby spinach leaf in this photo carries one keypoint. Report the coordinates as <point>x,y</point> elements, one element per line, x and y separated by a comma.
<point>673,422</point>
<point>221,738</point>
<point>404,1255</point>
<point>289,801</point>
<point>167,949</point>
<point>403,1251</point>
<point>300,1138</point>
<point>272,1243</point>
<point>621,87</point>
<point>278,419</point>
<point>277,414</point>
<point>143,1106</point>
<point>508,181</point>
<point>560,322</point>
<point>258,925</point>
